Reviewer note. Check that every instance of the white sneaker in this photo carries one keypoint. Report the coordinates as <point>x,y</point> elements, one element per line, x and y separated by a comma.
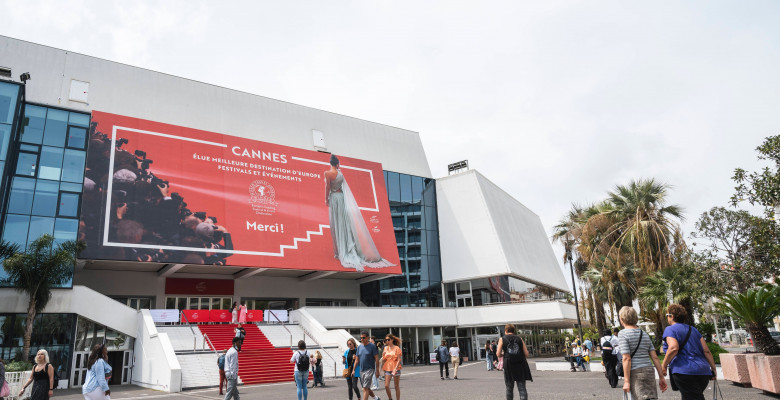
<point>376,398</point>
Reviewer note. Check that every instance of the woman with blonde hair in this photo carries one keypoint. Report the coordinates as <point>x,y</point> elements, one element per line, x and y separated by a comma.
<point>638,358</point>
<point>391,364</point>
<point>42,378</point>
<point>316,363</point>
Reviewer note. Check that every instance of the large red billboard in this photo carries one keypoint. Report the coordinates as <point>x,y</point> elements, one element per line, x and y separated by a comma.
<point>156,192</point>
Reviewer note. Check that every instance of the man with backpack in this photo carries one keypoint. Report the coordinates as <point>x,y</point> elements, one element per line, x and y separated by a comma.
<point>231,370</point>
<point>609,357</point>
<point>515,356</point>
<point>443,357</point>
<point>221,365</point>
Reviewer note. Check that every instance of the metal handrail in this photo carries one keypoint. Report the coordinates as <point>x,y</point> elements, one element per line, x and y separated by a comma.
<point>335,365</point>
<point>285,328</point>
<point>206,337</point>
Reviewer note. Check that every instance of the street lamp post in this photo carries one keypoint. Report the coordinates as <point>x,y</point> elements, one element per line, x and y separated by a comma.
<point>576,301</point>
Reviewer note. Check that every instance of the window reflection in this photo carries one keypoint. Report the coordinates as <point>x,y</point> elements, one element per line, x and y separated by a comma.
<point>51,163</point>
<point>39,226</point>
<point>56,127</point>
<point>26,164</point>
<point>8,95</point>
<point>73,166</point>
<point>45,202</point>
<point>35,118</point>
<point>21,198</point>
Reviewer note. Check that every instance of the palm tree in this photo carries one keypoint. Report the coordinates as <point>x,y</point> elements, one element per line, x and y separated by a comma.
<point>757,307</point>
<point>36,271</point>
<point>644,224</point>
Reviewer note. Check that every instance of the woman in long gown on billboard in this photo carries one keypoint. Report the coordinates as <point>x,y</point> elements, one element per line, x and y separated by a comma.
<point>352,242</point>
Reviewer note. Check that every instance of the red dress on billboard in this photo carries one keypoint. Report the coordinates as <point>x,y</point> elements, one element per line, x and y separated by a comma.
<point>352,242</point>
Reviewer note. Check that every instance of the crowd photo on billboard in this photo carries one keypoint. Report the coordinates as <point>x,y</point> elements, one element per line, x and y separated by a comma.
<point>161,193</point>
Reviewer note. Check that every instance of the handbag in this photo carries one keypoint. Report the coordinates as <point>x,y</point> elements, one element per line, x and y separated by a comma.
<point>671,378</point>
<point>345,373</point>
<point>619,366</point>
<point>5,391</point>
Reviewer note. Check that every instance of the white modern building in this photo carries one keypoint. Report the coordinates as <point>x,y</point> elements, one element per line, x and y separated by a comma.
<point>472,257</point>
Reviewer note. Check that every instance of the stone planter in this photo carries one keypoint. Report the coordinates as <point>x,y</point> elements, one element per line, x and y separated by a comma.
<point>735,368</point>
<point>764,372</point>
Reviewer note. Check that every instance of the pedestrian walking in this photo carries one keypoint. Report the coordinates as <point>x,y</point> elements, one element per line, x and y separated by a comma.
<point>443,357</point>
<point>514,353</point>
<point>300,359</point>
<point>638,358</point>
<point>231,370</point>
<point>234,313</point>
<point>367,358</point>
<point>379,349</point>
<point>42,378</point>
<point>608,357</point>
<point>455,358</point>
<point>316,362</point>
<point>352,369</point>
<point>493,351</point>
<point>391,365</point>
<point>688,359</point>
<point>95,386</point>
<point>489,356</point>
<point>240,334</point>
<point>221,365</point>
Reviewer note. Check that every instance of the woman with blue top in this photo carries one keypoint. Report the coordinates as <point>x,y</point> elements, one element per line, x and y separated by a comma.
<point>95,386</point>
<point>353,371</point>
<point>688,359</point>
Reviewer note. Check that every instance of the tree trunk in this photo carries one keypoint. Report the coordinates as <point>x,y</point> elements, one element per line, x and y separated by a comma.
<point>28,328</point>
<point>601,317</point>
<point>762,340</point>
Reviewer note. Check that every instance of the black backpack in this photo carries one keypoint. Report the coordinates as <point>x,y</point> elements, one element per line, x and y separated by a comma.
<point>606,348</point>
<point>513,347</point>
<point>303,361</point>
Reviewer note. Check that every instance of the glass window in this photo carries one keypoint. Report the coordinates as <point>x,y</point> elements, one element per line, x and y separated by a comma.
<point>68,204</point>
<point>406,188</point>
<point>79,119</point>
<point>26,164</point>
<point>56,127</point>
<point>65,229</point>
<point>15,230</point>
<point>8,95</point>
<point>45,202</point>
<point>38,227</point>
<point>417,188</point>
<point>35,120</point>
<point>73,166</point>
<point>30,148</point>
<point>393,189</point>
<point>51,163</point>
<point>21,197</point>
<point>70,187</point>
<point>5,137</point>
<point>77,137</point>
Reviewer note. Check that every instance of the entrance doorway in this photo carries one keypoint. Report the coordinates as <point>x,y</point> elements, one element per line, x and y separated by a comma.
<point>120,362</point>
<point>481,341</point>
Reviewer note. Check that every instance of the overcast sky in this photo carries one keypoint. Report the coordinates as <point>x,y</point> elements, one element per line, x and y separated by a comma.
<point>554,101</point>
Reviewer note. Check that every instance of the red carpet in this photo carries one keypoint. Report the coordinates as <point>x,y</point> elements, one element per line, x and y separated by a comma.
<point>259,361</point>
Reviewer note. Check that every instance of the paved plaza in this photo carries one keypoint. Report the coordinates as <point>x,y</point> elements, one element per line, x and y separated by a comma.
<point>423,382</point>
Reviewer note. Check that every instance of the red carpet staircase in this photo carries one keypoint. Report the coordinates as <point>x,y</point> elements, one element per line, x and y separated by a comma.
<point>259,361</point>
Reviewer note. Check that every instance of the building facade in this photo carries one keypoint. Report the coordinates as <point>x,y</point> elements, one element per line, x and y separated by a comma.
<point>469,257</point>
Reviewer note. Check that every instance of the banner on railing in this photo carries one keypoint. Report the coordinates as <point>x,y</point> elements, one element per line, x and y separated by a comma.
<point>195,316</point>
<point>254,316</point>
<point>165,315</point>
<point>220,316</point>
<point>278,316</point>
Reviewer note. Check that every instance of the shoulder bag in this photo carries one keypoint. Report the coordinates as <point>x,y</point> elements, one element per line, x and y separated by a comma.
<point>619,366</point>
<point>682,345</point>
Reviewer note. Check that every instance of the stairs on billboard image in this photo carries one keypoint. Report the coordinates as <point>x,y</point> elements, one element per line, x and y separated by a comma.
<point>258,361</point>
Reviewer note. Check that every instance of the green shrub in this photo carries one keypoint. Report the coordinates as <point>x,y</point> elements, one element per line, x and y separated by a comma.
<point>16,366</point>
<point>716,351</point>
<point>706,329</point>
